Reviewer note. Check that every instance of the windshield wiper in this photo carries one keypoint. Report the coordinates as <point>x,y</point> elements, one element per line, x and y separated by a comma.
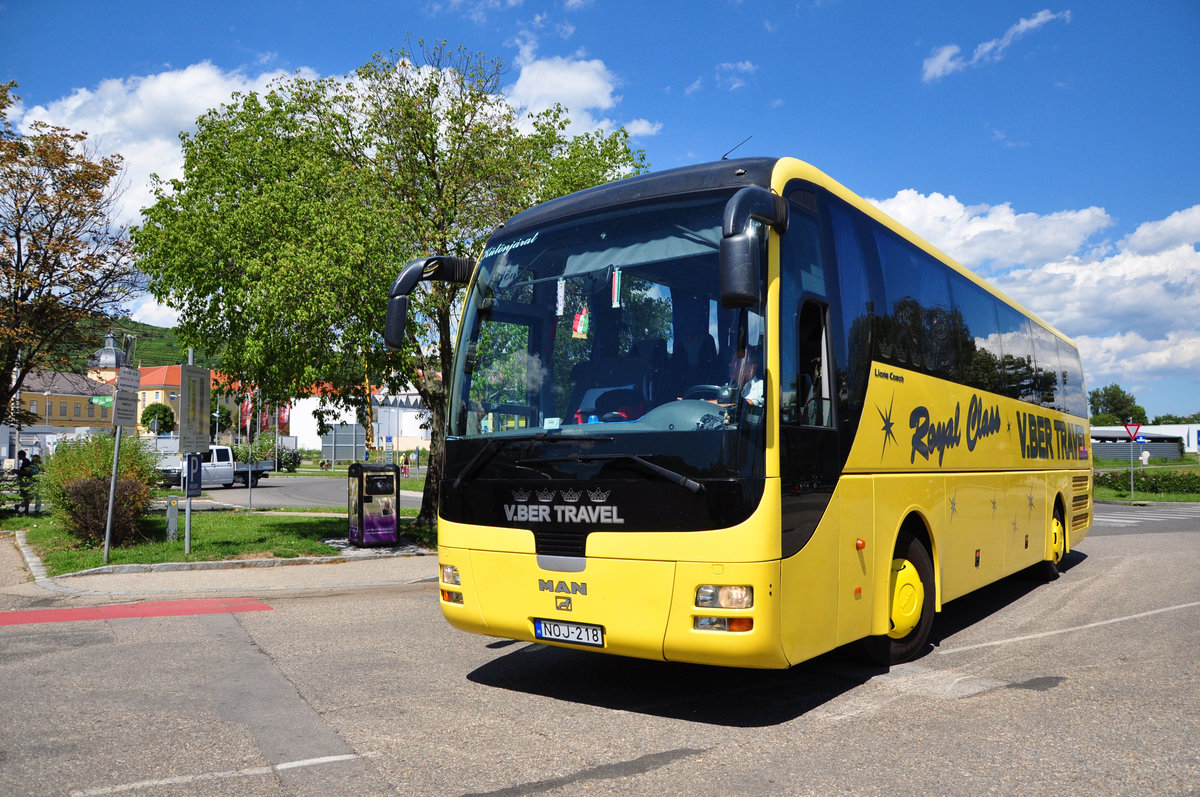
<point>493,446</point>
<point>672,476</point>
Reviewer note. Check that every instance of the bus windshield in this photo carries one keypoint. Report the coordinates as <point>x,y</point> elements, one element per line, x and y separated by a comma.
<point>602,338</point>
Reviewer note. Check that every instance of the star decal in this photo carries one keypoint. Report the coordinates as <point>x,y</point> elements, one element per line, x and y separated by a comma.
<point>1030,497</point>
<point>993,506</point>
<point>888,423</point>
<point>954,505</point>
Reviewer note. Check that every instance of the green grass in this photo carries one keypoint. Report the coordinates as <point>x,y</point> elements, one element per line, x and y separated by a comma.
<point>215,536</point>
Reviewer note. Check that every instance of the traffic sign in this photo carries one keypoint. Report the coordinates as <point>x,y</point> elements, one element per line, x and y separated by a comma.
<point>1132,429</point>
<point>195,476</point>
<point>1140,439</point>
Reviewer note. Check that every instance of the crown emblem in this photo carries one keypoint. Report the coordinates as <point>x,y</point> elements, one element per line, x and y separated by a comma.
<point>571,496</point>
<point>545,496</point>
<point>520,496</point>
<point>598,495</point>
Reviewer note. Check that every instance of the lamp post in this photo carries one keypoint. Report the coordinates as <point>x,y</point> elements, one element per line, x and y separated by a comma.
<point>49,409</point>
<point>217,435</point>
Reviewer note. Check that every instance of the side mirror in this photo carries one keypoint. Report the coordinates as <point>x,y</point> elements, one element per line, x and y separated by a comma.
<point>397,317</point>
<point>741,269</point>
<point>741,275</point>
<point>447,269</point>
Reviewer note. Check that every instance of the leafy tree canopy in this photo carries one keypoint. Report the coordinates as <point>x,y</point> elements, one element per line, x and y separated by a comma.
<point>1112,400</point>
<point>159,412</point>
<point>64,263</point>
<point>298,208</point>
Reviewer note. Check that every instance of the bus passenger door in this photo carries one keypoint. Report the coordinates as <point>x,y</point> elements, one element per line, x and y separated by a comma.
<point>809,461</point>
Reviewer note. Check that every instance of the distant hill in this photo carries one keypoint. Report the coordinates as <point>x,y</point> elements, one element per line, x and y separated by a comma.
<point>155,345</point>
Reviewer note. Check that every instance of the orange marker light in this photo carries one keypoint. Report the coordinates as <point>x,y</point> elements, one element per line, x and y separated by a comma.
<point>860,543</point>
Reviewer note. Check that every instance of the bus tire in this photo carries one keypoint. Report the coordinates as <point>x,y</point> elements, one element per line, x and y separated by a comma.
<point>910,605</point>
<point>1058,547</point>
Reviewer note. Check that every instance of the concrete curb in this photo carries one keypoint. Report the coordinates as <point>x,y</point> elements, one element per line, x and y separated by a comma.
<point>38,569</point>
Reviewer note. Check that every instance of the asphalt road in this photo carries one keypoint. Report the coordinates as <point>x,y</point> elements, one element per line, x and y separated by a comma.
<point>1086,685</point>
<point>283,491</point>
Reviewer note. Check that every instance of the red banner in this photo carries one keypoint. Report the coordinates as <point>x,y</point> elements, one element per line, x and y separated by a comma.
<point>283,416</point>
<point>247,412</point>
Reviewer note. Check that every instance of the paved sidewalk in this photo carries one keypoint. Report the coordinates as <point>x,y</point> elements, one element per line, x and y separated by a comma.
<point>357,568</point>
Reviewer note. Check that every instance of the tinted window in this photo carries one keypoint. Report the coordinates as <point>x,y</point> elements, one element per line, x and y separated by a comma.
<point>978,337</point>
<point>1046,368</point>
<point>1016,367</point>
<point>1074,392</point>
<point>918,328</point>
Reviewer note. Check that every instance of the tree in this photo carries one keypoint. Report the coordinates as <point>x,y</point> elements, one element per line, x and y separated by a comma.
<point>297,210</point>
<point>1112,400</point>
<point>64,262</point>
<point>1176,419</point>
<point>159,412</point>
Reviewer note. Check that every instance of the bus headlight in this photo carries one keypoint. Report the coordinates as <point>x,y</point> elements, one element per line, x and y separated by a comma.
<point>450,575</point>
<point>712,596</point>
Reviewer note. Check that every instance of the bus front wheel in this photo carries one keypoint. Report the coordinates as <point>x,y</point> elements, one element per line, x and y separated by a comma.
<point>910,605</point>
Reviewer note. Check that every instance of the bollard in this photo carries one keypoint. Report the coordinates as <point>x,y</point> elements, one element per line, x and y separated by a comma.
<point>173,520</point>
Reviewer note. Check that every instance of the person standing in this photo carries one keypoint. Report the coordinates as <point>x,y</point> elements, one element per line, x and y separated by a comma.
<point>24,481</point>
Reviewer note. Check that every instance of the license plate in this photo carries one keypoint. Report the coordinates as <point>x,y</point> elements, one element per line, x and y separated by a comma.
<point>575,633</point>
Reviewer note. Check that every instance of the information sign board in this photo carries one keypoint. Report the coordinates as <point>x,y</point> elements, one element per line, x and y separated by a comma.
<point>124,409</point>
<point>195,388</point>
<point>129,380</point>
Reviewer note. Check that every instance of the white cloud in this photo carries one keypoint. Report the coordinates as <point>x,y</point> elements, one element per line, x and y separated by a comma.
<point>947,59</point>
<point>643,127</point>
<point>141,117</point>
<point>584,86</point>
<point>694,87</point>
<point>148,311</point>
<point>1181,227</point>
<point>989,237</point>
<point>733,76</point>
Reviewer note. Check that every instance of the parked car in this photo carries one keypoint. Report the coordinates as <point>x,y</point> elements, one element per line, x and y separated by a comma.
<point>217,468</point>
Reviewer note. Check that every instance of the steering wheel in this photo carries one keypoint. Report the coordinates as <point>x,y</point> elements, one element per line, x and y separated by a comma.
<point>713,392</point>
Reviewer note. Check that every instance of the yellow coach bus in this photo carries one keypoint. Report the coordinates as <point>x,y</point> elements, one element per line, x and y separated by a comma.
<point>734,414</point>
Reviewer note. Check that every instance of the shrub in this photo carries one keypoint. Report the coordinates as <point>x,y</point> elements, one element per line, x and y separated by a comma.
<point>85,514</point>
<point>1164,481</point>
<point>75,481</point>
<point>289,459</point>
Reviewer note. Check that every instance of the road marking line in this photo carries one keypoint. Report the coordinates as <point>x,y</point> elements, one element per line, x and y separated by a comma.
<point>1096,624</point>
<point>121,611</point>
<point>233,773</point>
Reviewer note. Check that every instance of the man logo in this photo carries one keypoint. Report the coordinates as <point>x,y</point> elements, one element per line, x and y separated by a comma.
<point>562,603</point>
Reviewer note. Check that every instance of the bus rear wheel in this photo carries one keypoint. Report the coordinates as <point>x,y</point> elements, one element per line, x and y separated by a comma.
<point>1058,547</point>
<point>910,604</point>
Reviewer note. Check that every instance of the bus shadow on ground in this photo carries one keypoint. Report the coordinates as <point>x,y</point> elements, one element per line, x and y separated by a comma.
<point>720,695</point>
<point>693,692</point>
<point>977,606</point>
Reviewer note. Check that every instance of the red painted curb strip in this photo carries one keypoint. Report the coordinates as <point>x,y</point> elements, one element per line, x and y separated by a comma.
<point>123,611</point>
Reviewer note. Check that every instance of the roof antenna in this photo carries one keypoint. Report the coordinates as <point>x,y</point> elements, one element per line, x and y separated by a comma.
<point>725,157</point>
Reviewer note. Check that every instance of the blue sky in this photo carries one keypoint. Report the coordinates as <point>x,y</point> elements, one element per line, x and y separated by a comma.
<point>1053,149</point>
